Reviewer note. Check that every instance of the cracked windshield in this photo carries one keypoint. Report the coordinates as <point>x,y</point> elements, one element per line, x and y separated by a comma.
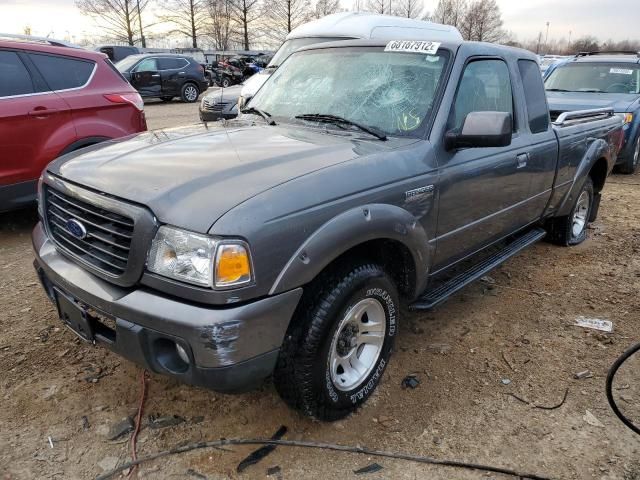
<point>388,91</point>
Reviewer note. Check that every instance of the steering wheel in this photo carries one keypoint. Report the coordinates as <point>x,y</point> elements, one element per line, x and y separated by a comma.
<point>622,88</point>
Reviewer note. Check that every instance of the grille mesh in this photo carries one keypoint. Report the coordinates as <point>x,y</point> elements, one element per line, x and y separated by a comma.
<point>108,235</point>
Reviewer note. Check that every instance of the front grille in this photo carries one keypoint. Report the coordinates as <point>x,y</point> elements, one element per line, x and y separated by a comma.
<point>107,241</point>
<point>210,104</point>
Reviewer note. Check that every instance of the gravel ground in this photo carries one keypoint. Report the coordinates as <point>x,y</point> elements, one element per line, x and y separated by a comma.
<point>486,360</point>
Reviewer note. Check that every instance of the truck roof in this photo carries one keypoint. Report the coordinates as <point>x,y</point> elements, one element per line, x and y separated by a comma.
<point>483,48</point>
<point>373,25</point>
<point>606,57</point>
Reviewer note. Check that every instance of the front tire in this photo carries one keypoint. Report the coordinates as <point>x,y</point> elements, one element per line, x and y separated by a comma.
<point>189,93</point>
<point>572,229</point>
<point>630,166</point>
<point>339,342</point>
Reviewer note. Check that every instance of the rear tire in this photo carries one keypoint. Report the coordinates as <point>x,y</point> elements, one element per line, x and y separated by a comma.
<point>572,229</point>
<point>339,342</point>
<point>630,166</point>
<point>189,92</point>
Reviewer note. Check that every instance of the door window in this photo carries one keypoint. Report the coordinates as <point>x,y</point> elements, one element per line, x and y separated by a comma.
<point>14,79</point>
<point>62,73</point>
<point>485,87</point>
<point>534,95</point>
<point>147,65</point>
<point>171,63</point>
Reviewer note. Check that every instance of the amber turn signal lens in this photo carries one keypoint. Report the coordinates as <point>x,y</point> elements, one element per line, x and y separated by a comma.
<point>233,266</point>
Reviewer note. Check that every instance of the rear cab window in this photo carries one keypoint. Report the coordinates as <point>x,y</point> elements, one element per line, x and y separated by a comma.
<point>534,95</point>
<point>15,78</point>
<point>63,73</point>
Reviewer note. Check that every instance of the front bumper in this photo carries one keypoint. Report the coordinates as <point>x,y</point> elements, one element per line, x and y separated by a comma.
<point>215,115</point>
<point>229,348</point>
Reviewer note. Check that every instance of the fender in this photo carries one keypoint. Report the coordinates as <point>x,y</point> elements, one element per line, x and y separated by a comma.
<point>597,150</point>
<point>84,142</point>
<point>352,228</point>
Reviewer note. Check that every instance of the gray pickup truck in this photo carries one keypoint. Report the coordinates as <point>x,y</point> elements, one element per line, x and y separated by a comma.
<point>363,176</point>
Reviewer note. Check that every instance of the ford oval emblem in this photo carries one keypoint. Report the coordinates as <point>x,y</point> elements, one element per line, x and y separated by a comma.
<point>76,228</point>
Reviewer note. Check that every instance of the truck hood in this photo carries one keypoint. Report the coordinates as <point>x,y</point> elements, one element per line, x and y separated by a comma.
<point>569,101</point>
<point>190,176</point>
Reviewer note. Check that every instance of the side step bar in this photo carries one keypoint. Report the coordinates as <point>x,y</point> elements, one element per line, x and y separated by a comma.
<point>444,291</point>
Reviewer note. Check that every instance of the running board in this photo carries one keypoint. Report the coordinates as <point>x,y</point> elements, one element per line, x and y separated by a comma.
<point>445,290</point>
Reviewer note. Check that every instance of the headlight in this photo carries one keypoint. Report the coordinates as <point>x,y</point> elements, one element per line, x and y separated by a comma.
<point>626,117</point>
<point>199,259</point>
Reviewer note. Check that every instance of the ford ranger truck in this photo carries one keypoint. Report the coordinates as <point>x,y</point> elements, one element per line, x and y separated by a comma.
<point>363,176</point>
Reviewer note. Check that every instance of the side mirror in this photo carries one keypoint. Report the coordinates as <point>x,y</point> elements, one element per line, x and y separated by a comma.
<point>242,101</point>
<point>481,129</point>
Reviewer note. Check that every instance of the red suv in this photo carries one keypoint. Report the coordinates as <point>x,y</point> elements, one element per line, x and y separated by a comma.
<point>54,100</point>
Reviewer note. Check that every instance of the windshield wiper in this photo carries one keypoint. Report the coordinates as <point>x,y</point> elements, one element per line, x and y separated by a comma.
<point>327,118</point>
<point>263,114</point>
<point>557,90</point>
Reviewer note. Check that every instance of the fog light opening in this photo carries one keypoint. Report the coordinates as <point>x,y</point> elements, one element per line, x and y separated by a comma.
<point>171,355</point>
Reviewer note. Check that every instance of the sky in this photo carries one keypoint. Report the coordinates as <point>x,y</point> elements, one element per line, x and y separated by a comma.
<point>605,19</point>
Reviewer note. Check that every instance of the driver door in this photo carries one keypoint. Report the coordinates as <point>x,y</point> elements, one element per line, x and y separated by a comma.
<point>481,189</point>
<point>145,78</point>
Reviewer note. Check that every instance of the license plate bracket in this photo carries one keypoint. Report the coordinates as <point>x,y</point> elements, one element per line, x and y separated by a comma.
<point>74,316</point>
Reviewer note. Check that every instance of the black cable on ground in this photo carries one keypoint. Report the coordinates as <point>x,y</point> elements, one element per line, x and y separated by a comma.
<point>324,446</point>
<point>612,373</point>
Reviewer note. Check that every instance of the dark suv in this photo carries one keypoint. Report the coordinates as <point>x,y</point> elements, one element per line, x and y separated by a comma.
<point>165,76</point>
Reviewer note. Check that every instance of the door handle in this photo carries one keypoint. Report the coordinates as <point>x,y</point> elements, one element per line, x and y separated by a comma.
<point>42,111</point>
<point>155,75</point>
<point>522,159</point>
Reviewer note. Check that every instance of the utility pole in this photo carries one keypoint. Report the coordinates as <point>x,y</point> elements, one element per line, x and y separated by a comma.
<point>569,44</point>
<point>546,40</point>
<point>142,40</point>
<point>539,41</point>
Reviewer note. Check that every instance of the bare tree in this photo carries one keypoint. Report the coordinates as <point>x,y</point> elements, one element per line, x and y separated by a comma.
<point>379,6</point>
<point>450,12</point>
<point>410,9</point>
<point>284,15</point>
<point>118,18</point>
<point>220,27</point>
<point>584,44</point>
<point>244,13</point>
<point>188,16</point>
<point>326,7</point>
<point>482,22</point>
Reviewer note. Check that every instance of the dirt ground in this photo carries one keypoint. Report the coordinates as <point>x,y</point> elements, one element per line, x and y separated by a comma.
<point>511,336</point>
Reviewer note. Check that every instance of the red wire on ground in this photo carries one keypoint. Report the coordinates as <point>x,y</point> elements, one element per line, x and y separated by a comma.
<point>143,395</point>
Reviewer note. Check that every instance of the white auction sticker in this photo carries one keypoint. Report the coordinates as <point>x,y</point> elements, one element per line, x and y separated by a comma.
<point>414,46</point>
<point>621,71</point>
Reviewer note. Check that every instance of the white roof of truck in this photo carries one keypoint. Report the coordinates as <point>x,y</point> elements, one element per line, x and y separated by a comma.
<point>375,26</point>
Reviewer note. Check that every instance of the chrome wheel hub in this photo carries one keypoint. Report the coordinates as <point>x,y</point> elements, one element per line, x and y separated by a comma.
<point>357,344</point>
<point>191,93</point>
<point>579,221</point>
